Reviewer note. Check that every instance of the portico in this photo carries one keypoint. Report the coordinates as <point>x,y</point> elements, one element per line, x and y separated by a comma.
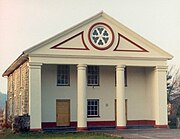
<point>119,92</point>
<point>98,73</point>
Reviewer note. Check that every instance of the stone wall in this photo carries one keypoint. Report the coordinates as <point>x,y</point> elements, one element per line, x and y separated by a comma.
<point>18,91</point>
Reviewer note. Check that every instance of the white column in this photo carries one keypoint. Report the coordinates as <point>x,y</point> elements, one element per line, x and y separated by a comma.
<point>35,96</point>
<point>120,98</point>
<point>81,98</point>
<point>160,97</point>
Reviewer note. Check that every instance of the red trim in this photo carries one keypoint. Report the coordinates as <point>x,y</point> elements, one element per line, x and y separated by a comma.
<point>89,36</point>
<point>73,124</point>
<point>53,124</point>
<point>161,126</point>
<point>104,123</point>
<point>82,129</point>
<point>48,124</point>
<point>82,37</point>
<point>101,123</point>
<point>120,35</point>
<point>121,127</point>
<point>141,122</point>
<point>36,129</point>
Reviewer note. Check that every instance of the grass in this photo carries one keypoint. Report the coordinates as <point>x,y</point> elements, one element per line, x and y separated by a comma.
<point>75,135</point>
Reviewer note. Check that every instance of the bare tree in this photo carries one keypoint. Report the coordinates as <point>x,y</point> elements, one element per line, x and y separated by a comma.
<point>173,90</point>
<point>173,83</point>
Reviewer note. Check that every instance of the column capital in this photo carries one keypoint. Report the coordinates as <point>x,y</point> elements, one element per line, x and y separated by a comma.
<point>120,67</point>
<point>160,68</point>
<point>35,65</point>
<point>81,66</point>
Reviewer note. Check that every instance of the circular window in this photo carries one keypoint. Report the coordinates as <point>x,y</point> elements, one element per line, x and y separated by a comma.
<point>101,36</point>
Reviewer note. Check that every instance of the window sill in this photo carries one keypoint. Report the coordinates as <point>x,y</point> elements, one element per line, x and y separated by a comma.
<point>93,85</point>
<point>62,85</point>
<point>93,116</point>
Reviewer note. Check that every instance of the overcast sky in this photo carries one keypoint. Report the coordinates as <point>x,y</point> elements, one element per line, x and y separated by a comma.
<point>24,23</point>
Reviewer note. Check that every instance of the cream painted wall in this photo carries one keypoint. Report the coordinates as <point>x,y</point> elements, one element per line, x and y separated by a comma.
<point>105,93</point>
<point>51,92</point>
<point>150,93</point>
<point>138,94</point>
<point>135,93</point>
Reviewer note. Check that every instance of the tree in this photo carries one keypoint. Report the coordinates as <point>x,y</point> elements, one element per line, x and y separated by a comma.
<point>173,91</point>
<point>173,83</point>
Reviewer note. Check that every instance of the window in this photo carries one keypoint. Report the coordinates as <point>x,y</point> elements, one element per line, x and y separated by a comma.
<point>125,76</point>
<point>63,75</point>
<point>93,108</point>
<point>93,75</point>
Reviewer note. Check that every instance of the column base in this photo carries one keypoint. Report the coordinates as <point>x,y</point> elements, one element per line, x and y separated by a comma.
<point>161,126</point>
<point>82,129</point>
<point>121,127</point>
<point>36,129</point>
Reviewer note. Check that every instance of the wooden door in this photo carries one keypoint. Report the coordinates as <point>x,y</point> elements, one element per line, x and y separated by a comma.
<point>63,112</point>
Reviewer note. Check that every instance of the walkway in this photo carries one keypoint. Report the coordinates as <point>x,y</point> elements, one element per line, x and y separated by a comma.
<point>145,133</point>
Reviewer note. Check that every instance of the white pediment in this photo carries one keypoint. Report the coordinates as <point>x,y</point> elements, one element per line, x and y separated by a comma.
<point>72,43</point>
<point>99,36</point>
<point>127,45</point>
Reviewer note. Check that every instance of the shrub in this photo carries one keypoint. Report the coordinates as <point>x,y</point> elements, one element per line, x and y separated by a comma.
<point>178,111</point>
<point>21,123</point>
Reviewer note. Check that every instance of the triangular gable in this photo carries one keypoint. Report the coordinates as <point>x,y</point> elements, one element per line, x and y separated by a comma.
<point>82,41</point>
<point>91,35</point>
<point>71,43</point>
<point>127,45</point>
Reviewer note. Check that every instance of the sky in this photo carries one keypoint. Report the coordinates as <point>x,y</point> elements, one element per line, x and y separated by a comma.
<point>24,23</point>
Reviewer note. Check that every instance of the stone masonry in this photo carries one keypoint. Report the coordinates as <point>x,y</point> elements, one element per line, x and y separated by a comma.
<point>18,91</point>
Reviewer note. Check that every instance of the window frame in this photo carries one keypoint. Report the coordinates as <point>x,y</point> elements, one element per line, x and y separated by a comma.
<point>89,106</point>
<point>63,70</point>
<point>125,77</point>
<point>91,74</point>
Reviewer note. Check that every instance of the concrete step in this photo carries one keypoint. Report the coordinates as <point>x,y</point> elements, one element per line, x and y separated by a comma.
<point>139,126</point>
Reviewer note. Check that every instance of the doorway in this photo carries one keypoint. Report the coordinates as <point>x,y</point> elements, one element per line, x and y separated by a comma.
<point>62,112</point>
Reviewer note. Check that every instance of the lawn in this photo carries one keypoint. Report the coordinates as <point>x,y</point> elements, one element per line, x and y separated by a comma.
<point>75,135</point>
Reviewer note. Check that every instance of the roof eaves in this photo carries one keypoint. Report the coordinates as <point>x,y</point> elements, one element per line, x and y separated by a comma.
<point>21,59</point>
<point>31,49</point>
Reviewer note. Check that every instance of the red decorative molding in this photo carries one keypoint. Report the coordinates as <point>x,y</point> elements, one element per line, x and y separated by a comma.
<point>48,124</point>
<point>82,129</point>
<point>140,47</point>
<point>82,38</point>
<point>161,126</point>
<point>121,127</point>
<point>106,123</point>
<point>73,124</point>
<point>36,129</point>
<point>89,36</point>
<point>141,122</point>
<point>101,123</point>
